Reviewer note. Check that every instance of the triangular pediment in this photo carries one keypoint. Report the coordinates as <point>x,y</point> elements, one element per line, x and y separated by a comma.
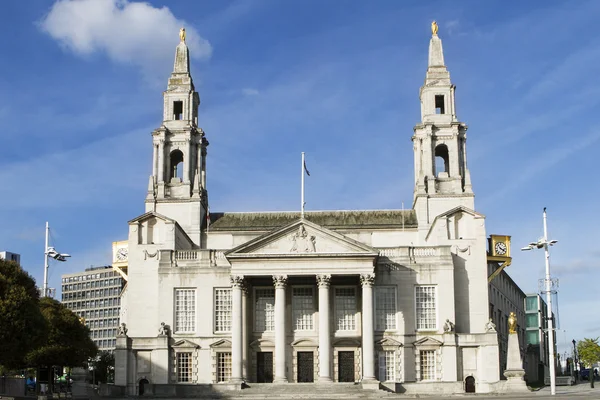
<point>428,342</point>
<point>185,344</point>
<point>385,342</point>
<point>301,238</point>
<point>151,215</point>
<point>223,343</point>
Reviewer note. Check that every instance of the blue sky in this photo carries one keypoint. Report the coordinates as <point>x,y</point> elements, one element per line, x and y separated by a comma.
<point>81,89</point>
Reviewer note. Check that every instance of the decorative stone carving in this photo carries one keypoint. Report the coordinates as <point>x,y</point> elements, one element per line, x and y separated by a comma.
<point>490,326</point>
<point>448,326</point>
<point>163,330</point>
<point>150,255</point>
<point>280,281</point>
<point>302,242</point>
<point>122,330</point>
<point>323,280</point>
<point>367,279</point>
<point>237,281</point>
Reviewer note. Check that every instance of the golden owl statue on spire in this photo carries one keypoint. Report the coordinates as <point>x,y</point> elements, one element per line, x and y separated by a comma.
<point>434,28</point>
<point>182,34</point>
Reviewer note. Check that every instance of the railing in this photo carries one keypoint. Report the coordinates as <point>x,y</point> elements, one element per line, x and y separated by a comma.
<point>415,254</point>
<point>194,258</point>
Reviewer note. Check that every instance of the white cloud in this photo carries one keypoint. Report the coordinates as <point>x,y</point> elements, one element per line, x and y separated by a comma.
<point>250,92</point>
<point>127,32</point>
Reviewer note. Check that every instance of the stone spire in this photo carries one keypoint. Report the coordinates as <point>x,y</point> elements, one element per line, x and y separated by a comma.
<point>180,78</point>
<point>436,71</point>
<point>182,59</point>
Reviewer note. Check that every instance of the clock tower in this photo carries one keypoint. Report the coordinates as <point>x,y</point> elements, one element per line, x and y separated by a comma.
<point>177,187</point>
<point>442,179</point>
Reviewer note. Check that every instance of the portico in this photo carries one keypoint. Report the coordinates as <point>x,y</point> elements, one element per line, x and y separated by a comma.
<point>302,257</point>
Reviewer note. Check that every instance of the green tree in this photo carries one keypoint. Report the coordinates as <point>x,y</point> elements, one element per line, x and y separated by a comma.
<point>22,325</point>
<point>104,367</point>
<point>589,351</point>
<point>68,341</point>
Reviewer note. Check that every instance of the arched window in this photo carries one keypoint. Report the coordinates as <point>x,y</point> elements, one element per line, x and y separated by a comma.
<point>177,165</point>
<point>441,160</point>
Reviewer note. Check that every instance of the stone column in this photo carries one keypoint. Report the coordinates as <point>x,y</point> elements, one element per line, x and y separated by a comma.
<point>324,329</point>
<point>161,162</point>
<point>237,283</point>
<point>280,281</point>
<point>187,162</point>
<point>368,338</point>
<point>155,160</point>
<point>245,293</point>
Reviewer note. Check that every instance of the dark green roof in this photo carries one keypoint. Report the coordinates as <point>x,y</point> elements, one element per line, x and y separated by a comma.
<point>265,221</point>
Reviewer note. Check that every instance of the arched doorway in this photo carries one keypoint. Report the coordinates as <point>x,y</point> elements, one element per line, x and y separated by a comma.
<point>470,384</point>
<point>143,383</point>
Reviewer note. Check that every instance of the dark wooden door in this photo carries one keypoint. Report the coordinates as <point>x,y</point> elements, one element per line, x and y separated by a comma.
<point>470,384</point>
<point>346,366</point>
<point>306,366</point>
<point>264,367</point>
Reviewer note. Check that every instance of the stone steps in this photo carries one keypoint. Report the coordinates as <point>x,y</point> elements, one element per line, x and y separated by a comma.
<point>306,391</point>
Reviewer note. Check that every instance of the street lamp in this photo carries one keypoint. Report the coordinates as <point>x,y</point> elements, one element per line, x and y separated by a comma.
<point>544,243</point>
<point>575,360</point>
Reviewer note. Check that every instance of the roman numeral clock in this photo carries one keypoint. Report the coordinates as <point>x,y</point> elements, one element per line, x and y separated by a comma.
<point>498,253</point>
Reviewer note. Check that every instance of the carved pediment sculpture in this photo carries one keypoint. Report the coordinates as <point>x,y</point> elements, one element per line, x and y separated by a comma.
<point>302,242</point>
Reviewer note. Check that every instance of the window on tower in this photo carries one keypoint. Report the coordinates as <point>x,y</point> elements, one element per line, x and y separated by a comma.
<point>439,104</point>
<point>178,110</point>
<point>442,166</point>
<point>177,165</point>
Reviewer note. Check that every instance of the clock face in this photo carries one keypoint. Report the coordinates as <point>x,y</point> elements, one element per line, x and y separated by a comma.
<point>500,248</point>
<point>122,254</point>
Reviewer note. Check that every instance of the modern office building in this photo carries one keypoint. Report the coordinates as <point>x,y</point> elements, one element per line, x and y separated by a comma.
<point>7,255</point>
<point>94,295</point>
<point>536,337</point>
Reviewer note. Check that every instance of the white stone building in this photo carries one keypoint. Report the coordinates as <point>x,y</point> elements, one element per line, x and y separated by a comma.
<point>392,297</point>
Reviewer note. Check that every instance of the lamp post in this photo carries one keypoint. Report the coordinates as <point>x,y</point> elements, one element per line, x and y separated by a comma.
<point>575,360</point>
<point>543,243</point>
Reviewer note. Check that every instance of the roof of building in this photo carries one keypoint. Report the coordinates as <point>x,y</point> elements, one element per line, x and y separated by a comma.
<point>265,221</point>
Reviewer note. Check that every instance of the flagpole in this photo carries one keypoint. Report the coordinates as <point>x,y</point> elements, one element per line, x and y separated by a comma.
<point>302,191</point>
<point>46,263</point>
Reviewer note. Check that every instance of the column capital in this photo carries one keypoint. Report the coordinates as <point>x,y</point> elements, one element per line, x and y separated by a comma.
<point>237,281</point>
<point>323,280</point>
<point>280,281</point>
<point>367,279</point>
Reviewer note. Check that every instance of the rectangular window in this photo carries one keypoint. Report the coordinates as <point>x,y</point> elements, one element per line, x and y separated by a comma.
<point>303,308</point>
<point>345,309</point>
<point>531,320</point>
<point>178,110</point>
<point>385,308</point>
<point>532,337</point>
<point>427,358</point>
<point>185,310</point>
<point>531,304</point>
<point>387,366</point>
<point>223,367</point>
<point>425,301</point>
<point>439,104</point>
<point>264,310</point>
<point>184,367</point>
<point>222,310</point>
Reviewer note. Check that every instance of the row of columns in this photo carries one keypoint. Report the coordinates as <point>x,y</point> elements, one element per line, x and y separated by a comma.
<point>325,353</point>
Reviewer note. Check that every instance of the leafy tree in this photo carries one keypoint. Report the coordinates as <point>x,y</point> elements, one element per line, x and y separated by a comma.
<point>589,351</point>
<point>22,325</point>
<point>104,367</point>
<point>68,341</point>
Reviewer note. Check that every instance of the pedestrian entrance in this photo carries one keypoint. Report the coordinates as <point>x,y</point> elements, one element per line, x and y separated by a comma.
<point>346,366</point>
<point>264,367</point>
<point>306,366</point>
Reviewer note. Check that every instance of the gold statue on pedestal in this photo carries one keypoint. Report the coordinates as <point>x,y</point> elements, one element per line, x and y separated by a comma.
<point>182,34</point>
<point>434,28</point>
<point>512,322</point>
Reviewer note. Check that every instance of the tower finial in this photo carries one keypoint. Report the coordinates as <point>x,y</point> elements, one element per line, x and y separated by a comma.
<point>182,34</point>
<point>434,28</point>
